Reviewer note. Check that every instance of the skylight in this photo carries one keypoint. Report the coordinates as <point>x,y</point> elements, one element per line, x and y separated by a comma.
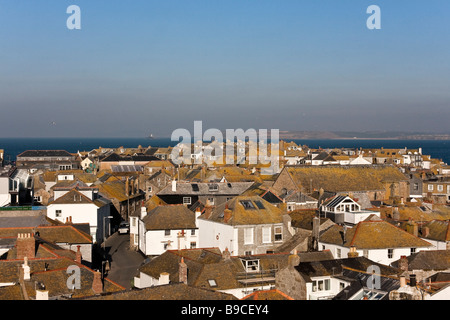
<point>247,204</point>
<point>259,204</point>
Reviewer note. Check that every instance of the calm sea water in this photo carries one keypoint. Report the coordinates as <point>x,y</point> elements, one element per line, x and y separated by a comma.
<point>439,149</point>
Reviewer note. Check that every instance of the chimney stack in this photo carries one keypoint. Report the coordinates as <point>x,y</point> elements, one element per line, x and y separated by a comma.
<point>97,285</point>
<point>78,254</point>
<point>174,185</point>
<point>403,263</point>
<point>26,269</point>
<point>183,271</point>
<point>226,255</point>
<point>402,281</point>
<point>163,278</point>
<point>26,246</point>
<point>208,210</point>
<point>226,214</point>
<point>293,259</point>
<point>412,280</point>
<point>425,232</point>
<point>143,212</point>
<point>353,253</point>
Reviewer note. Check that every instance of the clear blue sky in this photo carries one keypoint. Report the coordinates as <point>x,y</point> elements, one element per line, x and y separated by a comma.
<point>137,67</point>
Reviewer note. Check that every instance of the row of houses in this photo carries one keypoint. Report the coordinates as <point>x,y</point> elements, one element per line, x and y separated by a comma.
<point>230,232</point>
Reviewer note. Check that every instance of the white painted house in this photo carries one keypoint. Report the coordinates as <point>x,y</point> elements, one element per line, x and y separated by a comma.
<point>374,239</point>
<point>166,227</point>
<point>245,225</point>
<point>82,206</point>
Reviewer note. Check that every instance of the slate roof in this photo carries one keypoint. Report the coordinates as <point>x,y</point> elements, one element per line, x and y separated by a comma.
<point>427,260</point>
<point>303,218</point>
<point>75,197</point>
<point>336,267</point>
<point>345,178</point>
<point>114,157</point>
<point>438,230</point>
<point>359,282</point>
<point>206,264</point>
<point>262,212</point>
<point>170,217</point>
<point>173,291</point>
<point>45,153</point>
<point>55,234</point>
<point>207,188</point>
<point>376,234</point>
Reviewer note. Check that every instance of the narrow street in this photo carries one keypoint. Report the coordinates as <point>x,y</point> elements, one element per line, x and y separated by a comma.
<point>123,261</point>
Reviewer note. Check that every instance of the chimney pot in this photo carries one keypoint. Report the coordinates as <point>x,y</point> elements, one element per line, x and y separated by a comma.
<point>402,281</point>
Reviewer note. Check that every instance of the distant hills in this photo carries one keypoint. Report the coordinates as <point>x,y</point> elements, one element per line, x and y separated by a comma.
<point>391,135</point>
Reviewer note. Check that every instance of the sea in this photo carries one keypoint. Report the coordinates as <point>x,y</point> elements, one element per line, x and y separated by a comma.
<point>438,149</point>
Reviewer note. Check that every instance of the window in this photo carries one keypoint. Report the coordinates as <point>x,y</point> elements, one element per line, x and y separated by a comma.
<point>136,238</point>
<point>248,236</point>
<point>167,232</point>
<point>149,189</point>
<point>58,213</point>
<point>390,253</point>
<point>413,250</point>
<point>192,232</point>
<point>321,285</point>
<point>211,201</point>
<point>266,234</point>
<point>338,253</point>
<point>341,286</point>
<point>416,186</point>
<point>440,188</point>
<point>187,200</point>
<point>430,187</point>
<point>193,245</point>
<point>251,265</point>
<point>214,187</point>
<point>327,284</point>
<point>278,233</point>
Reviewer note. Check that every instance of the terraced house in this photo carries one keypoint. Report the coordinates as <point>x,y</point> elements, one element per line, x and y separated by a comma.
<point>374,239</point>
<point>244,225</point>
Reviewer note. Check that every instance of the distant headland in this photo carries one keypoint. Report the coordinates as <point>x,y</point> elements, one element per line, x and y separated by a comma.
<point>388,135</point>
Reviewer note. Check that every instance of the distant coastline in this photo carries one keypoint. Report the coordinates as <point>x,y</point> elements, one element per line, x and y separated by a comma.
<point>372,135</point>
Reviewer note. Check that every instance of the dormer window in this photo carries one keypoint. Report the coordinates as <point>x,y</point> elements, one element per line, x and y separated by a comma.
<point>213,187</point>
<point>251,265</point>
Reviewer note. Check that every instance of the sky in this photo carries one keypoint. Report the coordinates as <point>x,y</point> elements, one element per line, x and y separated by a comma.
<point>149,67</point>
